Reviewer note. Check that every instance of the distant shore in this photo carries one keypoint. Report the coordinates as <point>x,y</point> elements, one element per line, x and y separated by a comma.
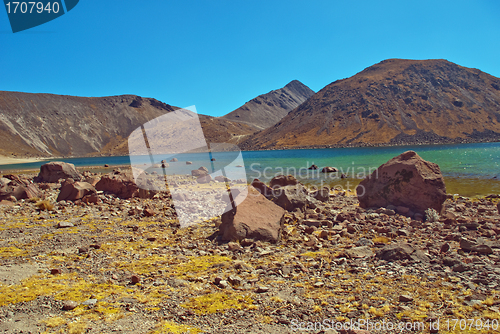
<point>12,161</point>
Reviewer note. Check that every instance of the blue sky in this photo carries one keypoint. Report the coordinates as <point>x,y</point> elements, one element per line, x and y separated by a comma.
<point>218,55</point>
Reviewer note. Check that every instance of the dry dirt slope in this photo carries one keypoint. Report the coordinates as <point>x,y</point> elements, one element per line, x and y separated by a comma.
<point>396,101</point>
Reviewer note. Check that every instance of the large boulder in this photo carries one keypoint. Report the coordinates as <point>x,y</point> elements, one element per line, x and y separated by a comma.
<point>198,172</point>
<point>72,191</point>
<point>262,188</point>
<point>13,186</point>
<point>53,171</point>
<point>292,197</point>
<point>122,185</point>
<point>283,180</point>
<point>256,218</point>
<point>406,180</point>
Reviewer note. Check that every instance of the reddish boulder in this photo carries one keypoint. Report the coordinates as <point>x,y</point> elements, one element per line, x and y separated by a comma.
<point>198,172</point>
<point>283,180</point>
<point>255,218</point>
<point>406,180</point>
<point>204,179</point>
<point>222,178</point>
<point>322,194</point>
<point>13,187</point>
<point>262,188</point>
<point>72,191</point>
<point>53,171</point>
<point>122,185</point>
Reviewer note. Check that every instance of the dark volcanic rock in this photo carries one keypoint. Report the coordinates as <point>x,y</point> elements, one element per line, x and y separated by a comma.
<point>283,180</point>
<point>329,170</point>
<point>53,171</point>
<point>406,180</point>
<point>256,218</point>
<point>401,251</point>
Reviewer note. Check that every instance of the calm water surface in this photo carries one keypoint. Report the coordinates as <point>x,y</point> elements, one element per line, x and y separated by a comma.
<point>469,169</point>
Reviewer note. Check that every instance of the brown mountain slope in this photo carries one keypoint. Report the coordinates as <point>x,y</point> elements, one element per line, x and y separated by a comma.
<point>268,109</point>
<point>56,125</point>
<point>393,102</point>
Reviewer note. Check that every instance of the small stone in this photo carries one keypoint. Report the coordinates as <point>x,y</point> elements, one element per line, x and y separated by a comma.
<point>135,279</point>
<point>82,250</point>
<point>262,289</point>
<point>318,284</point>
<point>483,249</point>
<point>405,298</point>
<point>466,245</point>
<point>460,267</point>
<point>90,302</point>
<point>246,242</point>
<point>64,225</point>
<point>233,246</point>
<point>323,234</point>
<point>309,229</point>
<point>69,305</point>
<point>151,239</point>
<point>235,280</point>
<point>445,248</point>
<point>55,271</point>
<point>95,246</point>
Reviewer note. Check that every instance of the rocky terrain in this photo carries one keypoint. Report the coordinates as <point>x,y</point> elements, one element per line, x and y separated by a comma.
<point>268,109</point>
<point>394,102</point>
<point>108,258</point>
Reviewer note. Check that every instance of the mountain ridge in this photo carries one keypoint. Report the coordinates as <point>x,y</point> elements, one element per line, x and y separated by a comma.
<point>394,102</point>
<point>267,109</point>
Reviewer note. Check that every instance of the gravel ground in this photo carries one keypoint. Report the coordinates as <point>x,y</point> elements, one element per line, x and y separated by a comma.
<point>126,266</point>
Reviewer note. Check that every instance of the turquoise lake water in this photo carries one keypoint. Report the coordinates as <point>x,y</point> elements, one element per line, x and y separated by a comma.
<point>463,163</point>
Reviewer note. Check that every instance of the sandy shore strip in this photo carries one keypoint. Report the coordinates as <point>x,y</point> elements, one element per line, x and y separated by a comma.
<point>11,161</point>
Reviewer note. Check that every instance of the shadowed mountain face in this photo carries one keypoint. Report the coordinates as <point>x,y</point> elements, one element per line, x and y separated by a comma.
<point>53,125</point>
<point>393,102</point>
<point>268,109</point>
<point>57,125</point>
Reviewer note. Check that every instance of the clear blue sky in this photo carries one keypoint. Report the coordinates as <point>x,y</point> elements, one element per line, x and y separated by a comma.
<point>218,55</point>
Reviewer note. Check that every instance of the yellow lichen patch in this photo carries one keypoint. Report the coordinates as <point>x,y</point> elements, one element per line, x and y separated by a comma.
<point>77,327</point>
<point>199,263</point>
<point>320,253</point>
<point>54,322</point>
<point>31,288</point>
<point>84,289</point>
<point>381,240</point>
<point>11,252</point>
<point>381,311</point>
<point>218,301</point>
<point>172,327</point>
<point>145,265</point>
